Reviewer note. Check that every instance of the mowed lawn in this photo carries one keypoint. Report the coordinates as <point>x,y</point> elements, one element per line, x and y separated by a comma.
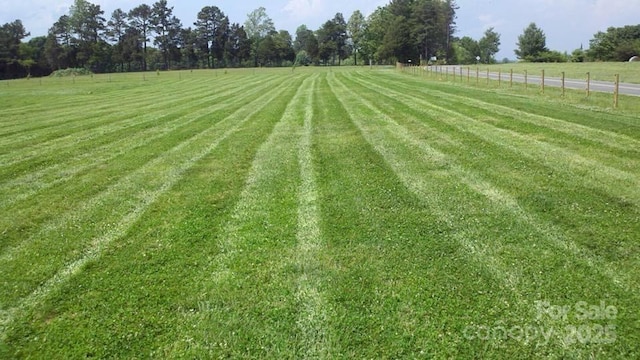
<point>313,213</point>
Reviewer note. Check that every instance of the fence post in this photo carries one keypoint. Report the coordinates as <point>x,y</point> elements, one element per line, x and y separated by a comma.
<point>616,93</point>
<point>526,80</point>
<point>499,77</point>
<point>487,76</point>
<point>542,82</point>
<point>477,76</point>
<point>461,78</point>
<point>563,84</point>
<point>588,84</point>
<point>511,78</point>
<point>468,75</point>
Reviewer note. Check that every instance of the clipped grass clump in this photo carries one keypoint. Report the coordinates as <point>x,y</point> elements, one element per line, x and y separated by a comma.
<point>72,72</point>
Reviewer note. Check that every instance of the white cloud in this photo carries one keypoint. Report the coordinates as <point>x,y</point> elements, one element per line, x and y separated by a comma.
<point>37,15</point>
<point>615,13</point>
<point>303,9</point>
<point>489,21</point>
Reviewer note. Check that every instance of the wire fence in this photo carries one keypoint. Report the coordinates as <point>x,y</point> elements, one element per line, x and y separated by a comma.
<point>480,76</point>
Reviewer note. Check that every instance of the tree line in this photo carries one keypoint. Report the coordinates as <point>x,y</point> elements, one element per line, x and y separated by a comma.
<point>616,44</point>
<point>150,37</point>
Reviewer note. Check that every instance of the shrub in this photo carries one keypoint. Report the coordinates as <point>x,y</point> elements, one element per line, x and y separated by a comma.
<point>548,57</point>
<point>71,72</point>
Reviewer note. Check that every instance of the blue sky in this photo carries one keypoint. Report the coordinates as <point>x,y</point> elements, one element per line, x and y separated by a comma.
<point>567,23</point>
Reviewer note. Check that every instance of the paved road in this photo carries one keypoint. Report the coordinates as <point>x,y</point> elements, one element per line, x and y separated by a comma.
<point>599,86</point>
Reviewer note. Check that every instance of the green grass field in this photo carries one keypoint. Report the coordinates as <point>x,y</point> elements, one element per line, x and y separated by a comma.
<point>315,213</point>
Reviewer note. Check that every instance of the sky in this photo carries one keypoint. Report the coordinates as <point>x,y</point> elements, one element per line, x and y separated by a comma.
<point>568,24</point>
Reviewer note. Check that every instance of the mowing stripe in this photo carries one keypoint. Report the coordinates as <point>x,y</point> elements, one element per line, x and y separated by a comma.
<point>143,97</point>
<point>265,164</point>
<point>604,138</point>
<point>312,320</point>
<point>116,122</point>
<point>126,184</point>
<point>32,183</point>
<point>619,151</point>
<point>555,127</point>
<point>502,200</point>
<point>143,200</point>
<point>290,141</point>
<point>67,99</point>
<point>607,139</point>
<point>41,120</point>
<point>597,175</point>
<point>415,182</point>
<point>421,184</point>
<point>64,123</point>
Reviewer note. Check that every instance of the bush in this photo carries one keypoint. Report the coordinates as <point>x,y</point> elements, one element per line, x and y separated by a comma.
<point>548,57</point>
<point>71,72</point>
<point>578,55</point>
<point>302,58</point>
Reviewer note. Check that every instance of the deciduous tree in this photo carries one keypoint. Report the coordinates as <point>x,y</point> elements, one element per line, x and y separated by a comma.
<point>238,47</point>
<point>489,46</point>
<point>257,26</point>
<point>86,21</point>
<point>356,31</point>
<point>467,50</point>
<point>616,44</point>
<point>377,25</point>
<point>305,46</point>
<point>397,44</point>
<point>332,39</point>
<point>11,35</point>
